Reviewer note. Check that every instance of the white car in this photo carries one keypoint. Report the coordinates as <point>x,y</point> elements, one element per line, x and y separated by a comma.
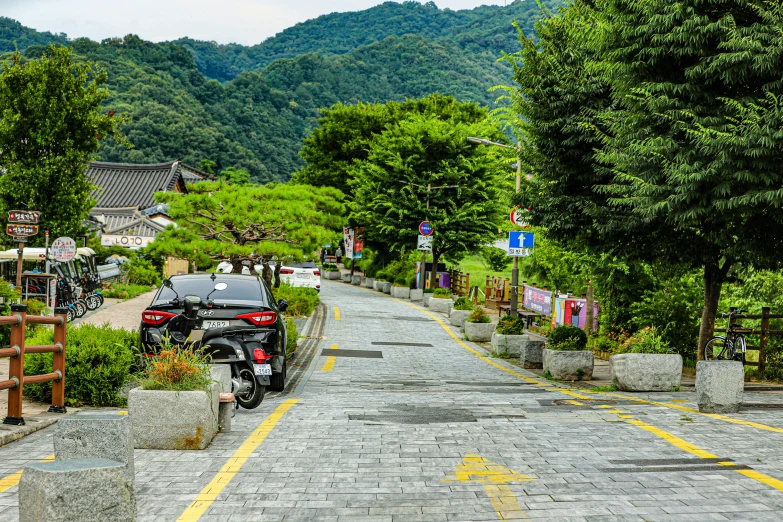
<point>306,275</point>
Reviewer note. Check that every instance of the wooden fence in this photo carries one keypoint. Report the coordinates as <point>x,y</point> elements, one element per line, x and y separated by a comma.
<point>763,331</point>
<point>497,292</point>
<point>18,320</point>
<point>460,283</point>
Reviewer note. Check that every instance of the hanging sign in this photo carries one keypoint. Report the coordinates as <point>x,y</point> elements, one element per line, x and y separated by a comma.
<point>126,241</point>
<point>63,249</point>
<point>21,230</point>
<point>32,217</point>
<point>426,228</point>
<point>348,237</point>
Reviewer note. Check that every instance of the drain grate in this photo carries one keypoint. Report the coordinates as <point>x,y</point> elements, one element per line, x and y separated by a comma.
<point>366,354</point>
<point>423,345</point>
<point>761,406</point>
<point>491,384</point>
<point>405,414</point>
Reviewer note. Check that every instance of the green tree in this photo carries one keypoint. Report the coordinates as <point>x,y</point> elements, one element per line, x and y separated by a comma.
<point>249,224</point>
<point>51,124</point>
<point>390,187</point>
<point>234,176</point>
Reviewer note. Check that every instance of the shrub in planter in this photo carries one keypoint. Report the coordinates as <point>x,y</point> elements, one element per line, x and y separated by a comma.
<point>400,288</point>
<point>428,291</point>
<point>98,362</point>
<point>565,357</point>
<point>510,338</point>
<point>441,293</point>
<point>301,301</point>
<point>478,326</point>
<point>463,303</point>
<point>508,325</point>
<point>647,364</point>
<point>463,307</point>
<point>567,337</point>
<point>401,281</point>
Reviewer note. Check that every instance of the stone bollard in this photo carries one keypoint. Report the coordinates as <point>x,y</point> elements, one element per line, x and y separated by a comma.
<point>387,288</point>
<point>346,278</point>
<point>369,282</point>
<point>225,412</point>
<point>719,386</point>
<point>101,436</point>
<point>400,292</point>
<point>356,280</point>
<point>221,373</point>
<point>416,294</point>
<point>79,489</point>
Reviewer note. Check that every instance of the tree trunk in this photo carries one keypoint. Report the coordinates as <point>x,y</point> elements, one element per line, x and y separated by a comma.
<point>589,303</point>
<point>714,276</point>
<point>434,273</point>
<point>278,264</point>
<point>267,273</point>
<point>236,265</point>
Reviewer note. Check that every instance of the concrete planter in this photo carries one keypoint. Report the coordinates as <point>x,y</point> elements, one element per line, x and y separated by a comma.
<point>458,317</point>
<point>441,305</point>
<point>378,286</point>
<point>346,278</point>
<point>425,299</point>
<point>416,295</point>
<point>331,274</point>
<point>646,371</point>
<point>387,288</point>
<point>400,292</point>
<point>369,282</point>
<point>479,332</point>
<point>356,280</point>
<point>719,386</point>
<point>569,365</point>
<point>173,420</point>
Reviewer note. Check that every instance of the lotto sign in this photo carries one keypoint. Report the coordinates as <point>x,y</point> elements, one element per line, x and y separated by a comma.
<point>126,241</point>
<point>426,228</point>
<point>63,249</point>
<point>520,244</point>
<point>425,244</point>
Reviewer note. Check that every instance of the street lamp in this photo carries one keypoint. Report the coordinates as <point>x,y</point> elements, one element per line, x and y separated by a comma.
<point>514,297</point>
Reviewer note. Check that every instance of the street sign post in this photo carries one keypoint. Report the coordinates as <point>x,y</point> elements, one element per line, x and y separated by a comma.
<point>424,244</point>
<point>520,244</point>
<point>21,225</point>
<point>63,249</point>
<point>426,228</point>
<point>518,217</point>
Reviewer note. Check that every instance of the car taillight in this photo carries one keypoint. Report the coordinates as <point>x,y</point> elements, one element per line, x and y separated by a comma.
<point>259,318</point>
<point>286,271</point>
<point>317,272</point>
<point>156,317</point>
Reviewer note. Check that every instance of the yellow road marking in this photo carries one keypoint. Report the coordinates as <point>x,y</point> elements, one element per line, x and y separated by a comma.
<point>12,480</point>
<point>336,314</point>
<point>211,491</point>
<point>575,403</point>
<point>495,479</point>
<point>329,364</point>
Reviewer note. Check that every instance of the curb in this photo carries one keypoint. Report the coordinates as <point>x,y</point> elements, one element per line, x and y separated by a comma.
<point>27,429</point>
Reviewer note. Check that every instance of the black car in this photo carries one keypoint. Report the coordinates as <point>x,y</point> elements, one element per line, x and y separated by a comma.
<point>245,300</point>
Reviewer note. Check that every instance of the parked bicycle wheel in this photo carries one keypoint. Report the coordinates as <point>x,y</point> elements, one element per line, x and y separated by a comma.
<point>71,314</point>
<point>718,348</point>
<point>80,307</point>
<point>92,302</point>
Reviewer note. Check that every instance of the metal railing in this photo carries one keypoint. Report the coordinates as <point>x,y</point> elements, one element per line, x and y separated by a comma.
<point>18,321</point>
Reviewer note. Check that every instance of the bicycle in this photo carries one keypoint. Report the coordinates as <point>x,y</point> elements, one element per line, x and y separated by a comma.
<point>729,347</point>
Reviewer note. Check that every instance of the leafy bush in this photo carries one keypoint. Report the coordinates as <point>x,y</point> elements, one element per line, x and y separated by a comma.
<point>478,316</point>
<point>646,340</point>
<point>511,325</point>
<point>428,290</point>
<point>381,275</point>
<point>142,272</point>
<point>120,291</point>
<point>463,303</point>
<point>441,293</point>
<point>401,281</point>
<point>35,307</point>
<point>567,337</point>
<point>495,258</point>
<point>331,267</point>
<point>301,301</point>
<point>98,361</point>
<point>176,369</point>
<point>293,335</point>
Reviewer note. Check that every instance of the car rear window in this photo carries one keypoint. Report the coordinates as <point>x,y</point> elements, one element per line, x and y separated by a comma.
<point>238,290</point>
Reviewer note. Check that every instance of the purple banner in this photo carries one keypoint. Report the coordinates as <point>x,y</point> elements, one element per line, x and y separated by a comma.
<point>537,300</point>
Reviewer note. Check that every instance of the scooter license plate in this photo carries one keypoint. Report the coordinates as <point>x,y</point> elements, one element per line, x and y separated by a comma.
<point>263,369</point>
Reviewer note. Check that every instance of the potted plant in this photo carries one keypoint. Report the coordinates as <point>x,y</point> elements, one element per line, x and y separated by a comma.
<point>463,307</point>
<point>400,288</point>
<point>330,271</point>
<point>176,405</point>
<point>565,356</point>
<point>441,300</point>
<point>380,278</point>
<point>646,364</point>
<point>510,339</point>
<point>478,326</point>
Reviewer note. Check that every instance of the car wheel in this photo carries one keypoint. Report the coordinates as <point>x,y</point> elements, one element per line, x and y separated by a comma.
<point>277,380</point>
<point>253,397</point>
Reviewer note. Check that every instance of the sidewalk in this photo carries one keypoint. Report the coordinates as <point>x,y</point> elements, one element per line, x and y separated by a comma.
<point>126,314</point>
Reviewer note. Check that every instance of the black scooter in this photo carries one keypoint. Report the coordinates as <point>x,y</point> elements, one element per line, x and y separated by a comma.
<point>236,346</point>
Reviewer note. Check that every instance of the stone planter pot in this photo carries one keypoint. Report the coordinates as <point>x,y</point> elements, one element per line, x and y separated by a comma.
<point>425,299</point>
<point>569,365</point>
<point>649,372</point>
<point>479,332</point>
<point>369,282</point>
<point>441,305</point>
<point>173,420</point>
<point>458,317</point>
<point>416,295</point>
<point>333,274</point>
<point>378,285</point>
<point>387,288</point>
<point>400,292</point>
<point>510,344</point>
<point>346,278</point>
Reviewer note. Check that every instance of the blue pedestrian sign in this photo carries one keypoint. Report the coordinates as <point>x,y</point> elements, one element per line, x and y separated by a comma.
<point>520,244</point>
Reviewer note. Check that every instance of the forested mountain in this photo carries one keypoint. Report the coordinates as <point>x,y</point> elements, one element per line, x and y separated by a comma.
<point>257,120</point>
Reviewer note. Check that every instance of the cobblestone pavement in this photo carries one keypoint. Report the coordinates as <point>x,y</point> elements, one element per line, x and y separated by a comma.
<point>434,430</point>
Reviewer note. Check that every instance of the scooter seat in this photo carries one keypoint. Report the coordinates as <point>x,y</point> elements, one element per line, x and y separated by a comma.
<point>216,333</point>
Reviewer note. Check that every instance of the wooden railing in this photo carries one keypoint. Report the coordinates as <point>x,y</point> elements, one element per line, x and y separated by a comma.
<point>18,320</point>
<point>460,283</point>
<point>762,331</point>
<point>497,292</point>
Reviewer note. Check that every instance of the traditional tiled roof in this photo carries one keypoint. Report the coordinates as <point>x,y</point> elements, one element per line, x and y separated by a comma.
<point>128,220</point>
<point>194,175</point>
<point>123,185</point>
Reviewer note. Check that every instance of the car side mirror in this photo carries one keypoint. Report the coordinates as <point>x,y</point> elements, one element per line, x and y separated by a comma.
<point>282,305</point>
<point>167,283</point>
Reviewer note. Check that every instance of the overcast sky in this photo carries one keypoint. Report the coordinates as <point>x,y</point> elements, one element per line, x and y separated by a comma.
<point>242,21</point>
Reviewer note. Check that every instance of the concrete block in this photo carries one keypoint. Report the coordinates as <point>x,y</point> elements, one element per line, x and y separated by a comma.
<point>173,420</point>
<point>346,277</point>
<point>331,274</point>
<point>95,435</point>
<point>416,294</point>
<point>441,305</point>
<point>646,371</point>
<point>457,317</point>
<point>566,365</point>
<point>225,414</point>
<point>387,288</point>
<point>356,279</point>
<point>378,285</point>
<point>510,344</point>
<point>479,332</point>
<point>400,292</point>
<point>531,353</point>
<point>369,282</point>
<point>719,386</point>
<point>221,373</point>
<point>79,489</point>
<point>425,300</point>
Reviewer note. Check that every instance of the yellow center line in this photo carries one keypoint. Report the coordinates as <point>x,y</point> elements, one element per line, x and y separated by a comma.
<point>336,314</point>
<point>12,480</point>
<point>329,364</point>
<point>212,490</point>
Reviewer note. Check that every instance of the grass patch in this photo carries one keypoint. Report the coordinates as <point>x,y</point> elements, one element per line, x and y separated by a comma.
<point>609,388</point>
<point>478,270</point>
<point>120,291</point>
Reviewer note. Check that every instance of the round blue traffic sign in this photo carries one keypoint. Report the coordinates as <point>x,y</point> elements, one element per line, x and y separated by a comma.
<point>426,229</point>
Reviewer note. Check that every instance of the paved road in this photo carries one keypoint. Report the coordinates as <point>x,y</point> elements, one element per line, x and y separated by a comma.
<point>441,432</point>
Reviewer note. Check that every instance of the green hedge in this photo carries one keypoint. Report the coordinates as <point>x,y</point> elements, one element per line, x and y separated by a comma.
<point>293,334</point>
<point>567,337</point>
<point>98,362</point>
<point>120,291</point>
<point>301,301</point>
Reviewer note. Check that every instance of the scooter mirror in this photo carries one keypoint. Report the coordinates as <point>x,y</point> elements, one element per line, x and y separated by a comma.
<point>221,286</point>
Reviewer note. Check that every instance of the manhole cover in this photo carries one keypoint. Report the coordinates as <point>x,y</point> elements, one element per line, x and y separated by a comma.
<point>402,344</point>
<point>417,415</point>
<point>366,354</point>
